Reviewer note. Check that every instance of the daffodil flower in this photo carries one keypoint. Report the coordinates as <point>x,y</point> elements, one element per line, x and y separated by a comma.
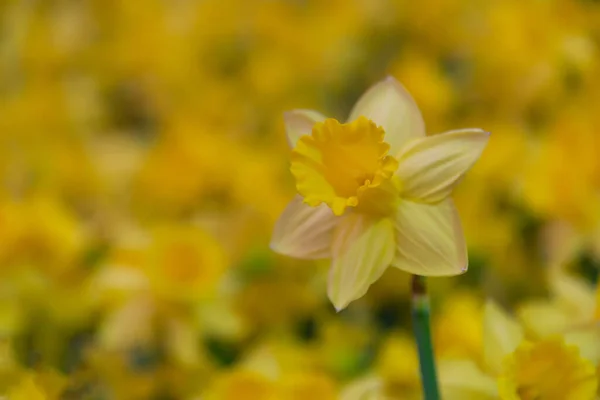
<point>374,192</point>
<point>515,367</point>
<point>572,307</point>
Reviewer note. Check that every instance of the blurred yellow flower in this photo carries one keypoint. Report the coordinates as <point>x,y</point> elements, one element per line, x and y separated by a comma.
<point>571,306</point>
<point>244,383</point>
<point>548,369</point>
<point>462,379</point>
<point>365,388</point>
<point>524,369</point>
<point>27,390</point>
<point>561,178</point>
<point>388,201</point>
<point>300,386</point>
<point>457,328</point>
<point>184,263</point>
<point>343,346</point>
<point>426,81</point>
<point>398,365</point>
<point>38,386</point>
<point>42,229</point>
<point>569,312</point>
<point>142,171</point>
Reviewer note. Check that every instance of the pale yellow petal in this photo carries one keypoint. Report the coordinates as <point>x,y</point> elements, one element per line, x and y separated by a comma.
<point>362,249</point>
<point>587,340</point>
<point>573,293</point>
<point>182,342</point>
<point>543,318</point>
<point>463,380</point>
<point>303,231</point>
<point>430,167</point>
<point>367,388</point>
<point>299,123</point>
<point>389,105</point>
<point>501,335</point>
<point>429,239</point>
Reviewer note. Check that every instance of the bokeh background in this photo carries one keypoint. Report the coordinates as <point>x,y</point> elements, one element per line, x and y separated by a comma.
<point>143,162</point>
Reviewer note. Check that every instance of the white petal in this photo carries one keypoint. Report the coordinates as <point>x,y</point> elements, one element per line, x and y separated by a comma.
<point>462,380</point>
<point>389,105</point>
<point>501,336</point>
<point>303,231</point>
<point>299,123</point>
<point>430,167</point>
<point>362,249</point>
<point>429,239</point>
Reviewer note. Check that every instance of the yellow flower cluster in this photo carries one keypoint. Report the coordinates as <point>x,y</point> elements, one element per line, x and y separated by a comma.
<point>144,164</point>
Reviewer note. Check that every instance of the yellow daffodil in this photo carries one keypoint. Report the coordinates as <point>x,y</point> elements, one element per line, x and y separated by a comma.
<point>270,373</point>
<point>570,312</point>
<point>547,370</point>
<point>517,368</point>
<point>185,263</point>
<point>374,192</point>
<point>571,306</point>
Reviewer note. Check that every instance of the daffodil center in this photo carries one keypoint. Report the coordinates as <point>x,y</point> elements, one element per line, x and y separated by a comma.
<point>548,370</point>
<point>345,165</point>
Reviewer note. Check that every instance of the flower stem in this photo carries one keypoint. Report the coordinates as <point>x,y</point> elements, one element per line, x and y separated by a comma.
<point>422,330</point>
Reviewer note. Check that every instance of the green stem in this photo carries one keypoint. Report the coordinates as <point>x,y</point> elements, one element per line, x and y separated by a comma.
<point>422,330</point>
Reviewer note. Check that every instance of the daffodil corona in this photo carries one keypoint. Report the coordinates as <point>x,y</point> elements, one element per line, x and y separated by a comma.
<point>515,366</point>
<point>374,192</point>
<point>548,369</point>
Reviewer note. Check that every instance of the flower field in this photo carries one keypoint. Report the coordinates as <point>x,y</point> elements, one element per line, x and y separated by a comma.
<point>146,158</point>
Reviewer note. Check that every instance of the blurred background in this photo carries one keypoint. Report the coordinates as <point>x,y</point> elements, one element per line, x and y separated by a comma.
<point>143,162</point>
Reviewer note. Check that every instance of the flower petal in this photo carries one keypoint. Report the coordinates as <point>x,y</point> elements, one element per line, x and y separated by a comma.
<point>299,123</point>
<point>367,388</point>
<point>389,105</point>
<point>362,249</point>
<point>587,340</point>
<point>429,239</point>
<point>575,294</point>
<point>430,167</point>
<point>501,335</point>
<point>303,231</point>
<point>462,379</point>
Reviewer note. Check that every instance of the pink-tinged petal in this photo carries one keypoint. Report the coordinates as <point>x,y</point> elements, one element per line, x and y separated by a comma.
<point>299,123</point>
<point>429,239</point>
<point>363,247</point>
<point>430,167</point>
<point>389,105</point>
<point>303,231</point>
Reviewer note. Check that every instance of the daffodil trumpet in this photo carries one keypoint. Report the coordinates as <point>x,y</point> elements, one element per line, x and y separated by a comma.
<point>375,192</point>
